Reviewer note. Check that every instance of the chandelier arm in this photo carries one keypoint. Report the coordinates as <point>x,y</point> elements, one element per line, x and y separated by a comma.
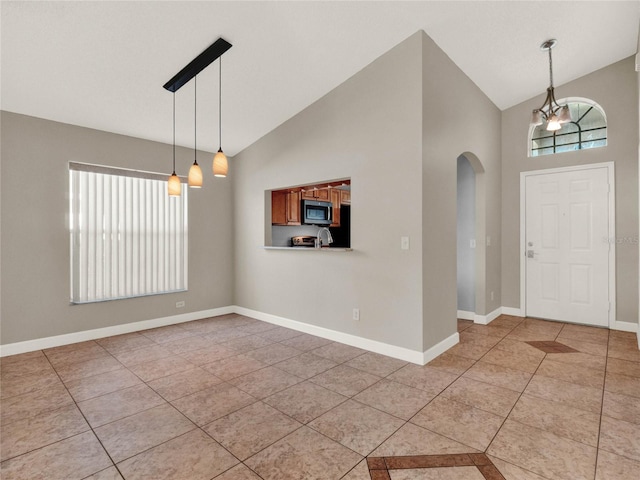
<point>546,102</point>
<point>553,102</point>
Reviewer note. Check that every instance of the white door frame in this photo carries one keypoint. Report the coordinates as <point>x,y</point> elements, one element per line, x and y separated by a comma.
<point>611,237</point>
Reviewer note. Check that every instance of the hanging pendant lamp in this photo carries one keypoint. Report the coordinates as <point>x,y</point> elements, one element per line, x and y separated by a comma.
<point>220,164</point>
<point>195,172</point>
<point>174,186</point>
<point>552,113</point>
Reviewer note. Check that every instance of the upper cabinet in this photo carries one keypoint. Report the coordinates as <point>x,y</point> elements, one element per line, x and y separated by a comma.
<point>315,193</point>
<point>285,204</point>
<point>285,207</point>
<point>335,202</point>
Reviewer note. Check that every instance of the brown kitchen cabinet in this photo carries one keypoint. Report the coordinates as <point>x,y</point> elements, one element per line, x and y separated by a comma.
<point>320,194</point>
<point>285,207</point>
<point>335,201</point>
<point>345,197</point>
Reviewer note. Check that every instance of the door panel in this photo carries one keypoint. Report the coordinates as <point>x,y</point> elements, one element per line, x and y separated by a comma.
<point>566,232</point>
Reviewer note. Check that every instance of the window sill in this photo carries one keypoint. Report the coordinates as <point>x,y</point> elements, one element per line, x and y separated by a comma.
<point>310,249</point>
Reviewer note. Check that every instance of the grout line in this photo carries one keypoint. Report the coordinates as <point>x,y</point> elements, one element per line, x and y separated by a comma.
<point>85,419</point>
<point>202,335</point>
<point>447,386</point>
<point>515,403</point>
<point>604,384</point>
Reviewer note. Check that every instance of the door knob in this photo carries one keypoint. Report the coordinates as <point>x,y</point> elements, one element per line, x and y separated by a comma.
<point>530,253</point>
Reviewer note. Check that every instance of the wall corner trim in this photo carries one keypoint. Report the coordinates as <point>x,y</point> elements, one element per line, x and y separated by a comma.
<point>464,315</point>
<point>488,318</point>
<point>626,327</point>
<point>514,312</point>
<point>440,348</point>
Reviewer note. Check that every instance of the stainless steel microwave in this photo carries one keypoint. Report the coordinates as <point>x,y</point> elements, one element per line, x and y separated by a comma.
<point>316,213</point>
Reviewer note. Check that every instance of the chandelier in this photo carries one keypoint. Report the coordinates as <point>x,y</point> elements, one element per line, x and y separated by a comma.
<point>552,113</point>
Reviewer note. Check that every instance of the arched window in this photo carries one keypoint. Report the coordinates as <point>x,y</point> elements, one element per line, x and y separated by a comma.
<point>588,129</point>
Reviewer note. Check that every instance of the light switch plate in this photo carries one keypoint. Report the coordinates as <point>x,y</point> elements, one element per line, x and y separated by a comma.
<point>404,243</point>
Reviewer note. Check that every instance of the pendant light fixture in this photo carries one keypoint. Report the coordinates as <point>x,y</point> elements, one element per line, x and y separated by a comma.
<point>189,71</point>
<point>195,172</point>
<point>174,186</point>
<point>220,164</point>
<point>552,113</point>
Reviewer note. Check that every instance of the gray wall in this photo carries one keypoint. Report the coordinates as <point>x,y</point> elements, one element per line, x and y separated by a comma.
<point>35,238</point>
<point>367,129</point>
<point>457,119</point>
<point>466,231</point>
<point>396,129</point>
<point>615,89</point>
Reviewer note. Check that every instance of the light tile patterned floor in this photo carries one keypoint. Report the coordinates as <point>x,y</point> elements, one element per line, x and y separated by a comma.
<point>233,398</point>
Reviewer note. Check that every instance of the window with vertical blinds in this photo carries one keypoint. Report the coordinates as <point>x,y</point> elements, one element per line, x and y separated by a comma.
<point>128,237</point>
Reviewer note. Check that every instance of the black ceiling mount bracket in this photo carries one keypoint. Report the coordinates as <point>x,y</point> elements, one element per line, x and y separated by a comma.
<point>202,61</point>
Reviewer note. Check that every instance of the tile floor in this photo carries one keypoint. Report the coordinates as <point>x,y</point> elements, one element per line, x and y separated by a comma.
<point>234,398</point>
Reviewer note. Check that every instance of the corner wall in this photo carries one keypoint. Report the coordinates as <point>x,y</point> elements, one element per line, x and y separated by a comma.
<point>35,237</point>
<point>457,118</point>
<point>614,88</point>
<point>367,129</point>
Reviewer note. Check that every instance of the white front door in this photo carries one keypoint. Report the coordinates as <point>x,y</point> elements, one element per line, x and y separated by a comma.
<point>567,242</point>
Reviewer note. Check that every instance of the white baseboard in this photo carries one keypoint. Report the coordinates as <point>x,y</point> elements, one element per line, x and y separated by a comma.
<point>440,348</point>
<point>464,315</point>
<point>515,312</point>
<point>488,318</point>
<point>625,326</point>
<point>394,351</point>
<point>66,339</point>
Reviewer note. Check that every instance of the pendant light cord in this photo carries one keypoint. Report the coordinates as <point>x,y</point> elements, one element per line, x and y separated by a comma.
<point>220,105</point>
<point>174,133</point>
<point>550,69</point>
<point>195,120</point>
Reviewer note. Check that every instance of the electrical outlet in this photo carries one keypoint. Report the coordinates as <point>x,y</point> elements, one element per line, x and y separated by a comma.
<point>356,314</point>
<point>492,296</point>
<point>472,243</point>
<point>180,304</point>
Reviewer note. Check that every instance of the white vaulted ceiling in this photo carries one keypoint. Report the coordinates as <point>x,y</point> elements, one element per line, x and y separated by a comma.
<point>102,64</point>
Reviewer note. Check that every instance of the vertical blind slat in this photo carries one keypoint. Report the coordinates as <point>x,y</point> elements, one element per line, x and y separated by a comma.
<point>122,292</point>
<point>83,223</point>
<point>106,280</point>
<point>135,231</point>
<point>99,226</point>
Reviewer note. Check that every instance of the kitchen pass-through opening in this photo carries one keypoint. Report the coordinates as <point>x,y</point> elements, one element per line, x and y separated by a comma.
<point>315,215</point>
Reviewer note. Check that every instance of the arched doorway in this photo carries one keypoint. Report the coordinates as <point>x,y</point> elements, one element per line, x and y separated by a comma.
<point>471,232</point>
